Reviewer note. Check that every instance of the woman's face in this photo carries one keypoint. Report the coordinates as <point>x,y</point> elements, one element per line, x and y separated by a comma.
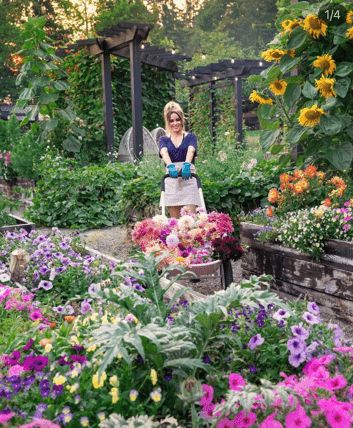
<point>175,123</point>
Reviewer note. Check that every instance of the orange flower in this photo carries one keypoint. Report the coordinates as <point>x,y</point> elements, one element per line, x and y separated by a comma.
<point>310,171</point>
<point>285,178</point>
<point>327,202</point>
<point>303,183</point>
<point>44,342</point>
<point>69,318</point>
<point>337,182</point>
<point>269,211</point>
<point>52,324</point>
<point>320,175</point>
<point>273,195</point>
<point>298,174</point>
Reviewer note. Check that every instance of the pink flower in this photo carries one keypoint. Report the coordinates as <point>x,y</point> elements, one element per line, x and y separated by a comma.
<point>5,416</point>
<point>36,315</point>
<point>298,419</point>
<point>338,418</point>
<point>207,395</point>
<point>270,422</point>
<point>236,382</point>
<point>40,423</point>
<point>244,419</point>
<point>337,382</point>
<point>344,349</point>
<point>207,411</point>
<point>15,370</point>
<point>225,423</point>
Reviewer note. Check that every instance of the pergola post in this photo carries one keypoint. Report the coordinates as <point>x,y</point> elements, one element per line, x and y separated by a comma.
<point>108,102</point>
<point>213,112</point>
<point>191,100</point>
<point>239,108</point>
<point>136,97</point>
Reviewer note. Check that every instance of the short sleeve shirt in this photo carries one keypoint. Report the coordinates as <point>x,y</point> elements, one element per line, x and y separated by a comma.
<point>178,154</point>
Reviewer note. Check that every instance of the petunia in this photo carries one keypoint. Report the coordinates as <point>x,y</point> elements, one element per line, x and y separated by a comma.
<point>236,382</point>
<point>255,341</point>
<point>297,419</point>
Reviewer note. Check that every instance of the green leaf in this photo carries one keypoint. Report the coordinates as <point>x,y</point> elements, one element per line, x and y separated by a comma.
<point>342,86</point>
<point>344,68</point>
<point>294,135</point>
<point>340,155</point>
<point>330,102</point>
<point>276,148</point>
<point>297,38</point>
<point>26,94</point>
<point>67,114</point>
<point>60,85</point>
<point>330,125</point>
<point>50,124</point>
<point>271,73</point>
<point>340,35</point>
<point>292,95</point>
<point>72,144</point>
<point>287,63</point>
<point>48,98</point>
<point>309,91</point>
<point>190,363</point>
<point>267,138</point>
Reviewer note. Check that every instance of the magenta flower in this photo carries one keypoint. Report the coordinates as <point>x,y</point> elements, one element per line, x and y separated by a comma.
<point>270,422</point>
<point>338,417</point>
<point>35,363</point>
<point>298,419</point>
<point>207,397</point>
<point>236,382</point>
<point>15,370</point>
<point>6,415</point>
<point>36,315</point>
<point>337,382</point>
<point>225,423</point>
<point>244,419</point>
<point>40,423</point>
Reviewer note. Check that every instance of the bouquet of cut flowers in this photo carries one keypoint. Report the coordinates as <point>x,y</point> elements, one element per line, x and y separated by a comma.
<point>187,240</point>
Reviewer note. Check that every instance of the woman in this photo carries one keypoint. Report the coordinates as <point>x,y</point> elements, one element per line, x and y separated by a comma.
<point>178,149</point>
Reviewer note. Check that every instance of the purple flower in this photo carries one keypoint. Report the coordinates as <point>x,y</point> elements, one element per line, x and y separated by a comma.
<point>252,368</point>
<point>35,363</point>
<point>60,269</point>
<point>313,308</point>
<point>296,359</point>
<point>43,270</point>
<point>69,310</point>
<point>57,390</point>
<point>46,285</point>
<point>28,381</point>
<point>64,245</point>
<point>59,309</point>
<point>234,328</point>
<point>296,345</point>
<point>310,350</point>
<point>65,261</point>
<point>281,314</point>
<point>300,331</point>
<point>310,318</point>
<point>78,358</point>
<point>28,345</point>
<point>346,227</point>
<point>40,409</point>
<point>12,359</point>
<point>85,307</point>
<point>44,388</point>
<point>35,275</point>
<point>255,341</point>
<point>207,359</point>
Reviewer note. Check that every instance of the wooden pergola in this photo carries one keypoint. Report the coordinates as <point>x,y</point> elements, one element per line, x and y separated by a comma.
<point>126,40</point>
<point>230,71</point>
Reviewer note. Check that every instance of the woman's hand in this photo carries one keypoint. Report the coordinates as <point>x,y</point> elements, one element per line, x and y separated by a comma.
<point>185,171</point>
<point>172,171</point>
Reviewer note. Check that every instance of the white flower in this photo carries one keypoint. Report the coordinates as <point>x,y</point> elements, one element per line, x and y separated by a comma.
<point>4,277</point>
<point>160,219</point>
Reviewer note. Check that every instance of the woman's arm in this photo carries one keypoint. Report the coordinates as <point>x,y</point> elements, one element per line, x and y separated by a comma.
<point>165,156</point>
<point>190,154</point>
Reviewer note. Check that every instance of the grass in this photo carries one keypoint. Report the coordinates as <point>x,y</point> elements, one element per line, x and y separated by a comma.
<point>12,324</point>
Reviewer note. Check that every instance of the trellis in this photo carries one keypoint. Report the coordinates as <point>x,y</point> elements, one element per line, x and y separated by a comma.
<point>126,40</point>
<point>230,71</point>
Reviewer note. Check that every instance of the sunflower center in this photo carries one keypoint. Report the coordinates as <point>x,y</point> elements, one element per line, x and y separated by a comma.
<point>312,115</point>
<point>276,55</point>
<point>325,64</point>
<point>315,23</point>
<point>278,85</point>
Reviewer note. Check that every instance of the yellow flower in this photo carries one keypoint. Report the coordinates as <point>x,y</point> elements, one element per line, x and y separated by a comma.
<point>67,418</point>
<point>349,17</point>
<point>73,388</point>
<point>74,340</point>
<point>315,26</point>
<point>278,87</point>
<point>288,25</point>
<point>114,392</point>
<point>310,116</point>
<point>48,347</point>
<point>133,395</point>
<point>349,33</point>
<point>273,54</point>
<point>92,348</point>
<point>59,379</point>
<point>325,86</point>
<point>84,421</point>
<point>153,376</point>
<point>255,97</point>
<point>290,52</point>
<point>114,381</point>
<point>101,416</point>
<point>98,381</point>
<point>326,63</point>
<point>156,395</point>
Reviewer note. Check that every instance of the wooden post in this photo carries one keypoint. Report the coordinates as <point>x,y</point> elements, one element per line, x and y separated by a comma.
<point>191,99</point>
<point>18,262</point>
<point>213,112</point>
<point>108,102</point>
<point>239,108</point>
<point>136,98</point>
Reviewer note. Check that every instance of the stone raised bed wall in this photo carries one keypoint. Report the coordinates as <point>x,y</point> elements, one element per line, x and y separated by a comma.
<point>329,281</point>
<point>16,224</point>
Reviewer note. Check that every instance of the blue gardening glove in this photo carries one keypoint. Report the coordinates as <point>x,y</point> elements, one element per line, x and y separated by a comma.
<point>172,171</point>
<point>185,171</point>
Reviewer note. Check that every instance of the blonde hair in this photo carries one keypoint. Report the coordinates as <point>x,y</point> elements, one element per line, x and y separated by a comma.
<point>169,109</point>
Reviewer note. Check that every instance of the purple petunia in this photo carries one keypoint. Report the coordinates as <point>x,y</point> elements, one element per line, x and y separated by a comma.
<point>35,363</point>
<point>46,285</point>
<point>310,318</point>
<point>255,341</point>
<point>313,308</point>
<point>85,307</point>
<point>300,331</point>
<point>44,388</point>
<point>296,345</point>
<point>296,359</point>
<point>281,314</point>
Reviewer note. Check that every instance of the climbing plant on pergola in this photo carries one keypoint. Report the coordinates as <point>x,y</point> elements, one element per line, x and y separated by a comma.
<point>230,71</point>
<point>127,40</point>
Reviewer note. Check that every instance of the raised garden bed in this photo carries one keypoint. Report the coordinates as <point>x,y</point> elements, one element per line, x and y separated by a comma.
<point>329,282</point>
<point>18,223</point>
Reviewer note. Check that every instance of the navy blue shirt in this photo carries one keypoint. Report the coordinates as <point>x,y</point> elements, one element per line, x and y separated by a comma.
<point>178,154</point>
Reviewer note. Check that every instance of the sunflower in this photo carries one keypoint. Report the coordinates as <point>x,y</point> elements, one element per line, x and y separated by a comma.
<point>310,116</point>
<point>288,25</point>
<point>273,54</point>
<point>325,86</point>
<point>255,97</point>
<point>315,26</point>
<point>326,63</point>
<point>278,87</point>
<point>349,17</point>
<point>349,33</point>
<point>290,52</point>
